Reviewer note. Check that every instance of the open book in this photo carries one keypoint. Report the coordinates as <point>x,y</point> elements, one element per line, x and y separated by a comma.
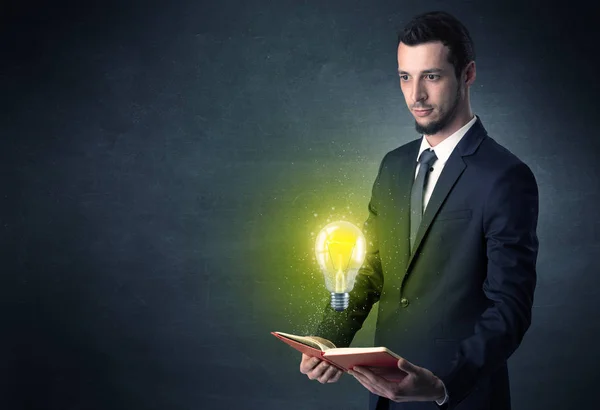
<point>379,360</point>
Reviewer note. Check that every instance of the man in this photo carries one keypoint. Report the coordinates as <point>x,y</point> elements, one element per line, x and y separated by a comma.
<point>452,243</point>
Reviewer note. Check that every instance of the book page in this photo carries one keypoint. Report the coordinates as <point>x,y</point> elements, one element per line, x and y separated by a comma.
<point>312,341</point>
<point>359,350</point>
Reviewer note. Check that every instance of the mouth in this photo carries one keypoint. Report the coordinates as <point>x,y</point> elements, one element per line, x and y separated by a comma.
<point>422,113</point>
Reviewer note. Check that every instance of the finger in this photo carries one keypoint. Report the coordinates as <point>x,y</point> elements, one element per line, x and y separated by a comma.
<point>371,377</point>
<point>308,363</point>
<point>374,383</point>
<point>318,371</point>
<point>362,379</point>
<point>407,366</point>
<point>336,377</point>
<point>327,375</point>
<point>368,385</point>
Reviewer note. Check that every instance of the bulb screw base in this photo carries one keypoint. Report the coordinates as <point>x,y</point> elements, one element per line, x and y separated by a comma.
<point>339,301</point>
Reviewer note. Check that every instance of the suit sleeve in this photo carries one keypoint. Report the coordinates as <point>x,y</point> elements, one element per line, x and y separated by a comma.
<point>509,224</point>
<point>340,327</point>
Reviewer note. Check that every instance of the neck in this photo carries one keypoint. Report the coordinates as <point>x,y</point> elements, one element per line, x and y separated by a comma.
<point>459,121</point>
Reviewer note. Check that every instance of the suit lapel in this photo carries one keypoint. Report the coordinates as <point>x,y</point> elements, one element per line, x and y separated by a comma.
<point>452,171</point>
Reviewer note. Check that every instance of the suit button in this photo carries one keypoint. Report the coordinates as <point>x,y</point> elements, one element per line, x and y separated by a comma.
<point>404,302</point>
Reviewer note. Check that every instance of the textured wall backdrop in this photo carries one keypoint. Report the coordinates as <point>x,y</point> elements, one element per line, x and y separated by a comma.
<point>165,166</point>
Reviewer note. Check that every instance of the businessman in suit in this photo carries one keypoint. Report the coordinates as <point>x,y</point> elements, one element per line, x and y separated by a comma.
<point>452,243</point>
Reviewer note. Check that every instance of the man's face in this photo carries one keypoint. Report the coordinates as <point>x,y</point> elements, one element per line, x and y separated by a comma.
<point>429,85</point>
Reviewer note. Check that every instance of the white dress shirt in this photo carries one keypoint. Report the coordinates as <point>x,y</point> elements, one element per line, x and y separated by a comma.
<point>442,152</point>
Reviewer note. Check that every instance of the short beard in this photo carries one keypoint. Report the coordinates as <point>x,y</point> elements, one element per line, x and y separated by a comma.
<point>436,126</point>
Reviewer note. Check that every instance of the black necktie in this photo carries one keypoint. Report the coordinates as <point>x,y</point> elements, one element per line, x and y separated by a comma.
<point>416,196</point>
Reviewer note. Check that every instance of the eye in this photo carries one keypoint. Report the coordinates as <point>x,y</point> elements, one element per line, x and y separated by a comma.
<point>432,77</point>
<point>403,77</point>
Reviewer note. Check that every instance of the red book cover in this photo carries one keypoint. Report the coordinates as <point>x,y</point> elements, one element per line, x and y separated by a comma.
<point>379,360</point>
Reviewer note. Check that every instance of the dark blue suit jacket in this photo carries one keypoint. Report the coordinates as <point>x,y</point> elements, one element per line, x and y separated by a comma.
<point>460,304</point>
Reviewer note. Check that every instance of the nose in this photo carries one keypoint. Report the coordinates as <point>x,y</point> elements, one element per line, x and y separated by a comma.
<point>418,91</point>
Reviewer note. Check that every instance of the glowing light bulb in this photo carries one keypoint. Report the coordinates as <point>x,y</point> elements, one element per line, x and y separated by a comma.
<point>340,250</point>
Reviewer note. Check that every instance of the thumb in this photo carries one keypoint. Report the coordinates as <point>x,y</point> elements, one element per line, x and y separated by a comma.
<point>407,366</point>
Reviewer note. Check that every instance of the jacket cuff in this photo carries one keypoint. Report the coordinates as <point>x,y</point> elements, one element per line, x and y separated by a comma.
<point>459,383</point>
<point>445,399</point>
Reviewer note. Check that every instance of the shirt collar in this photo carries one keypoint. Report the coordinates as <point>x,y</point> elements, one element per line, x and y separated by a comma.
<point>445,148</point>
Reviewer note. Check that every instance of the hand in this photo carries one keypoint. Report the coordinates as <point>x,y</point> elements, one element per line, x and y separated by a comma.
<point>419,385</point>
<point>318,369</point>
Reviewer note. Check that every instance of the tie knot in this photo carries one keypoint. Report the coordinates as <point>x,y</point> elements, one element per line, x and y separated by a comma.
<point>427,157</point>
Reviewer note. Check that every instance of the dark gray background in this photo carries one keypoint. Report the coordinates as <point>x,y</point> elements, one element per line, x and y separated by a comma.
<point>164,166</point>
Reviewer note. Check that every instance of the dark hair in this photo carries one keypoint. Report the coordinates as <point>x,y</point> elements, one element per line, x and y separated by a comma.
<point>441,26</point>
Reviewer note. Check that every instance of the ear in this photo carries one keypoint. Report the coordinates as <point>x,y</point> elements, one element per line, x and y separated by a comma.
<point>470,73</point>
